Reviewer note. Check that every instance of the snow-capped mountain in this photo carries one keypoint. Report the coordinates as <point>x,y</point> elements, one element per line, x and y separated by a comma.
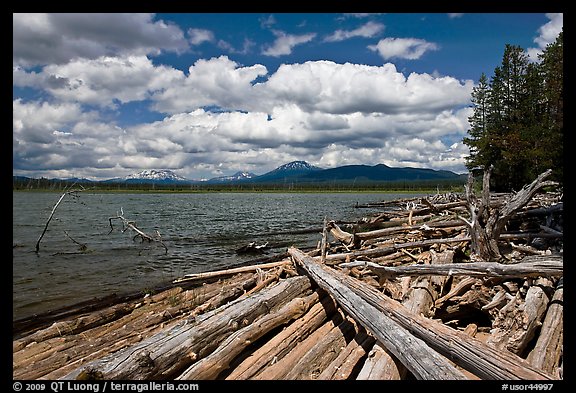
<point>238,176</point>
<point>292,172</point>
<point>296,166</point>
<point>291,169</point>
<point>152,174</point>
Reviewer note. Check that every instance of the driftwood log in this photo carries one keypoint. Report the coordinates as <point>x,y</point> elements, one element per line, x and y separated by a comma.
<point>471,354</point>
<point>168,353</point>
<point>423,362</point>
<point>212,365</point>
<point>285,341</point>
<point>280,367</point>
<point>548,349</point>
<point>531,266</point>
<point>487,223</point>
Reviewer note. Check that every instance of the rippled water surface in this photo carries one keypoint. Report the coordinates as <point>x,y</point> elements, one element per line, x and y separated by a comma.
<point>201,232</point>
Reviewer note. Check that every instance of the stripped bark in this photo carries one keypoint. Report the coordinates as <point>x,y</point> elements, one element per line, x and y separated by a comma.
<point>343,366</point>
<point>280,368</point>
<point>381,365</point>
<point>212,365</point>
<point>471,354</point>
<point>423,362</point>
<point>168,353</point>
<point>530,266</point>
<point>281,344</point>
<point>228,272</point>
<point>547,352</point>
<point>486,223</point>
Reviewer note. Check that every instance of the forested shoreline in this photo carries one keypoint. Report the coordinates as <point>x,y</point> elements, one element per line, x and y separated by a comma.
<point>517,126</point>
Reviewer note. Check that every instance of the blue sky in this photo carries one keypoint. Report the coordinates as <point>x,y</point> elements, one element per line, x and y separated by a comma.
<point>205,95</point>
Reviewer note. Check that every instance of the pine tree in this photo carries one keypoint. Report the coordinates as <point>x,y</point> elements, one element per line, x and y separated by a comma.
<point>517,123</point>
<point>552,74</point>
<point>478,133</point>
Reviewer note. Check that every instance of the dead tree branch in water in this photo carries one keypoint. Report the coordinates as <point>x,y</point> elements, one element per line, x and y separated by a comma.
<point>72,191</point>
<point>127,224</point>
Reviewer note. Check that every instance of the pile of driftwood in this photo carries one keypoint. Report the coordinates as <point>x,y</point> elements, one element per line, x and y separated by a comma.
<point>407,293</point>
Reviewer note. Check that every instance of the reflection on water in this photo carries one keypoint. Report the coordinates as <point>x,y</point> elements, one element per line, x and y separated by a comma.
<point>201,231</point>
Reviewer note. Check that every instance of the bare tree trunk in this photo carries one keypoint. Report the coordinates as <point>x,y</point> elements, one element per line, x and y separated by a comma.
<point>487,223</point>
<point>69,192</point>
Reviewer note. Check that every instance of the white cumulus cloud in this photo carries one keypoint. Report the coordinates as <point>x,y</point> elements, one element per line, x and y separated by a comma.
<point>40,39</point>
<point>402,48</point>
<point>370,29</point>
<point>284,43</point>
<point>101,81</point>
<point>198,36</point>
<point>547,34</point>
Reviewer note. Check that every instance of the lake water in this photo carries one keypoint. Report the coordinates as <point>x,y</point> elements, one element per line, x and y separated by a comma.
<point>201,231</point>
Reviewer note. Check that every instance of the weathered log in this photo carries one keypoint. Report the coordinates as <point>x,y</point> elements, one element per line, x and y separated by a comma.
<point>168,353</point>
<point>324,244</point>
<point>423,362</point>
<point>227,293</point>
<point>264,282</point>
<point>462,286</point>
<point>381,251</point>
<point>280,367</point>
<point>154,313</point>
<point>74,326</point>
<point>424,292</point>
<point>319,356</point>
<point>419,300</point>
<point>381,365</point>
<point>229,272</point>
<point>347,360</point>
<point>517,322</point>
<point>548,349</point>
<point>281,344</point>
<point>471,354</point>
<point>486,223</point>
<point>530,266</point>
<point>212,365</point>
<point>344,237</point>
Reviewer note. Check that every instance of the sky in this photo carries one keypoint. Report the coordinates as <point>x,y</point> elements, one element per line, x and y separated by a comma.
<point>100,96</point>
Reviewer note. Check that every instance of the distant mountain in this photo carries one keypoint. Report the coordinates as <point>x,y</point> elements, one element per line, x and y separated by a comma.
<point>287,171</point>
<point>238,176</point>
<point>293,172</point>
<point>151,176</point>
<point>378,173</point>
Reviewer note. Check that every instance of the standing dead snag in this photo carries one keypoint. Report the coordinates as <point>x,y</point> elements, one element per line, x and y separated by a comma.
<point>72,191</point>
<point>127,224</point>
<point>486,222</point>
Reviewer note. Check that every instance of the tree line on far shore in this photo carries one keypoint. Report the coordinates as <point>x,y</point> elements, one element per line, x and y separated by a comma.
<point>436,185</point>
<point>517,127</point>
